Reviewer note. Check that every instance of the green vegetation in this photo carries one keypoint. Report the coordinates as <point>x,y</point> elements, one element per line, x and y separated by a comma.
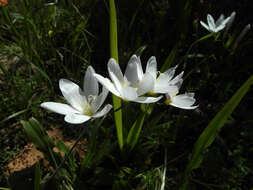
<point>139,147</point>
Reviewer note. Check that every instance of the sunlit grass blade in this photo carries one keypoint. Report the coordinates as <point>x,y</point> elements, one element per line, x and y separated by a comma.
<point>208,135</point>
<point>114,54</point>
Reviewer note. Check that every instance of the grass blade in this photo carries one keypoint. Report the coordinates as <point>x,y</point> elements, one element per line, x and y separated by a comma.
<point>13,115</point>
<point>208,135</point>
<point>114,54</point>
<point>134,132</point>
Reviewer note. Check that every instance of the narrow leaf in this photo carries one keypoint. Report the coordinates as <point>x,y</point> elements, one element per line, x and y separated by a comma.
<point>37,177</point>
<point>135,130</point>
<point>114,54</point>
<point>13,115</point>
<point>208,135</point>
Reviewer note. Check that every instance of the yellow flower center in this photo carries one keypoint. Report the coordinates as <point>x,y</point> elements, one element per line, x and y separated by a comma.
<point>87,110</point>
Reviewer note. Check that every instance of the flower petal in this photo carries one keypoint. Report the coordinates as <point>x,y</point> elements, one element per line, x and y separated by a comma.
<point>170,73</point>
<point>113,67</point>
<point>220,27</point>
<point>107,84</point>
<point>204,25</point>
<point>147,84</point>
<point>139,69</point>
<point>131,71</point>
<point>152,66</point>
<point>90,85</point>
<point>147,100</point>
<point>162,82</point>
<point>173,90</point>
<point>220,20</point>
<point>72,93</point>
<point>103,112</point>
<point>210,22</point>
<point>184,101</point>
<point>128,93</point>
<point>177,79</point>
<point>231,20</point>
<point>226,20</point>
<point>100,100</point>
<point>76,118</point>
<point>59,108</point>
<point>117,83</point>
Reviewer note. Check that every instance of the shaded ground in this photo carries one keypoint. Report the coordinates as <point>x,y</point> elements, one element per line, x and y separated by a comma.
<point>28,156</point>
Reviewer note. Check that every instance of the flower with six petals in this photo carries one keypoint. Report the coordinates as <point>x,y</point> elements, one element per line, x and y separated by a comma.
<point>217,26</point>
<point>82,105</point>
<point>128,87</point>
<point>164,82</point>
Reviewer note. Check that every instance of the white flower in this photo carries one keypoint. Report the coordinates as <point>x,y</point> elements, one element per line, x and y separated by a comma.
<point>163,82</point>
<point>128,87</point>
<point>213,26</point>
<point>83,105</point>
<point>184,101</point>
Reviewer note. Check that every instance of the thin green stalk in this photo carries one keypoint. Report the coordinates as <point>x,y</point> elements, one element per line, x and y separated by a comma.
<point>114,54</point>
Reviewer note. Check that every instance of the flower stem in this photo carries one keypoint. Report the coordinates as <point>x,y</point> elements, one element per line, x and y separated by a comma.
<point>114,54</point>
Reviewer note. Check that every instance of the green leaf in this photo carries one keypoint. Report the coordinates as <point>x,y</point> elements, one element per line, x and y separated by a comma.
<point>32,134</point>
<point>114,54</point>
<point>40,139</point>
<point>204,38</point>
<point>62,147</point>
<point>43,73</point>
<point>41,132</point>
<point>135,131</point>
<point>37,178</point>
<point>210,132</point>
<point>13,115</point>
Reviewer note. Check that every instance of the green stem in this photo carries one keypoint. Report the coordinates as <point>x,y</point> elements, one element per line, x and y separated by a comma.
<point>114,54</point>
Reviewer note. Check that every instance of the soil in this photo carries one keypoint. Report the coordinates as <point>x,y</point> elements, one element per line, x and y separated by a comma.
<point>29,155</point>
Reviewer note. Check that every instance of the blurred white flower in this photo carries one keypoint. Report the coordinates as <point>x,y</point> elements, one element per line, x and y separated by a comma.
<point>128,87</point>
<point>242,34</point>
<point>83,105</point>
<point>184,101</point>
<point>217,26</point>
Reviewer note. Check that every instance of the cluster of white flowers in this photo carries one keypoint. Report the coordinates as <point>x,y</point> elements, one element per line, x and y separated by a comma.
<point>134,85</point>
